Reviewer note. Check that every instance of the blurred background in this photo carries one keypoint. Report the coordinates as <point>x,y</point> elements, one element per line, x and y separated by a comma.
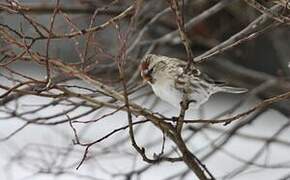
<point>49,130</point>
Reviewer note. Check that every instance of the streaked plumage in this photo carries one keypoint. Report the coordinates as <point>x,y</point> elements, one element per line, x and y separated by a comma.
<point>169,82</point>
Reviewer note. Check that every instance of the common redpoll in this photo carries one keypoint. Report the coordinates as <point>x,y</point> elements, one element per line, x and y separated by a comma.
<point>170,81</point>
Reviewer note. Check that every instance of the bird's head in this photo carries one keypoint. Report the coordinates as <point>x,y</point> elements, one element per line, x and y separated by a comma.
<point>146,67</point>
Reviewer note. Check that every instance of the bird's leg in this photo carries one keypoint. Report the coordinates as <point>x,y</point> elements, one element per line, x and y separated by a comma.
<point>185,104</point>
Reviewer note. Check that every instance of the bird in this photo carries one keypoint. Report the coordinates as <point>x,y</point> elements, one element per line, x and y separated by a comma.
<point>171,81</point>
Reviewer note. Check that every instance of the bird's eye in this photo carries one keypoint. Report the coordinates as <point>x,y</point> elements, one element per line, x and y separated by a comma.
<point>150,70</point>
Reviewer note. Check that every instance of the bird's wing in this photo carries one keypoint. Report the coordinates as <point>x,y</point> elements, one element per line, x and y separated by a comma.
<point>194,81</point>
<point>185,82</point>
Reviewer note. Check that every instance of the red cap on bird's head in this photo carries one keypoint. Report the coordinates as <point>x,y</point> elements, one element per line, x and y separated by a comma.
<point>144,65</point>
<point>144,68</point>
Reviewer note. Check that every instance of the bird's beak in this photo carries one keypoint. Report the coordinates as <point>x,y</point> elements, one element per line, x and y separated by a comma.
<point>145,75</point>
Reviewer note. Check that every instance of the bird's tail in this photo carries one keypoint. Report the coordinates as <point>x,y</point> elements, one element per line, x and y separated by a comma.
<point>230,89</point>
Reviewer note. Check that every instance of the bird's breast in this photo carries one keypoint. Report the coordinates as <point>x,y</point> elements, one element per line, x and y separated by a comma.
<point>165,90</point>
